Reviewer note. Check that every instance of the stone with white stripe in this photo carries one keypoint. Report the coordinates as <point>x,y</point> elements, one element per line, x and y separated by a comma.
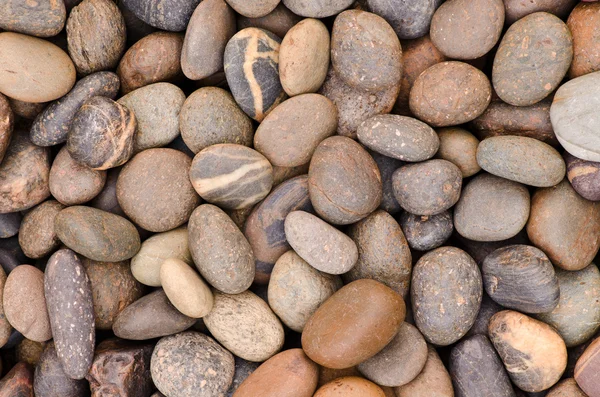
<point>231,176</point>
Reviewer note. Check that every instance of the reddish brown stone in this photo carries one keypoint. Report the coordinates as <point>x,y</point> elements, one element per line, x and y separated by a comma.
<point>18,382</point>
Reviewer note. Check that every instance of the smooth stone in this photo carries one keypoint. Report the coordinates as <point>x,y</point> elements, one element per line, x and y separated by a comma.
<point>101,134</point>
<point>339,170</point>
<point>145,265</point>
<point>251,64</point>
<point>566,388</point>
<point>491,209</point>
<point>433,381</point>
<point>317,8</point>
<point>7,120</point>
<point>383,252</point>
<point>351,386</point>
<point>399,137</point>
<point>18,382</point>
<point>576,317</point>
<point>185,289</point>
<point>50,380</point>
<point>279,21</point>
<point>486,311</point>
<point>321,245</point>
<point>26,110</point>
<point>521,277</point>
<point>355,105</point>
<point>41,18</point>
<point>96,36</point>
<point>151,316</point>
<point>477,370</point>
<point>424,233</point>
<point>231,176</point>
<point>570,115</point>
<point>243,369</point>
<point>25,304</point>
<point>516,9</point>
<point>35,71</point>
<point>113,289</point>
<point>10,224</point>
<point>211,26</point>
<point>253,8</point>
<point>153,59</point>
<point>210,116</point>
<point>278,137</point>
<point>521,159</point>
<point>304,57</point>
<point>265,228</point>
<point>171,15</point>
<point>5,327</point>
<point>282,174</point>
<point>97,234</point>
<point>37,237</point>
<point>583,176</point>
<point>297,289</point>
<point>427,188</point>
<point>120,369</point>
<point>525,74</point>
<point>106,200</point>
<point>565,226</point>
<point>29,351</point>
<point>365,51</point>
<point>68,294</point>
<point>24,164</point>
<point>409,19</point>
<point>387,166</point>
<point>72,183</point>
<point>155,191</point>
<point>289,373</point>
<point>586,369</point>
<point>450,93</point>
<point>400,361</point>
<point>463,29</point>
<point>354,324</point>
<point>326,375</point>
<point>446,292</point>
<point>533,353</point>
<point>459,146</point>
<point>52,125</point>
<point>245,325</point>
<point>156,108</point>
<point>190,363</point>
<point>220,251</point>
<point>583,24</point>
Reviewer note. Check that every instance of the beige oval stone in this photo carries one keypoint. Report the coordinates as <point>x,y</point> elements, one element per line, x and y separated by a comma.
<point>145,265</point>
<point>32,69</point>
<point>185,289</point>
<point>350,386</point>
<point>245,325</point>
<point>304,57</point>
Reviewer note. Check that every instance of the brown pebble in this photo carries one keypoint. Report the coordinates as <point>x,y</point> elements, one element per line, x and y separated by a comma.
<point>433,381</point>
<point>350,387</point>
<point>6,125</point>
<point>72,183</point>
<point>37,237</point>
<point>18,382</point>
<point>584,24</point>
<point>278,21</point>
<point>459,146</point>
<point>566,388</point>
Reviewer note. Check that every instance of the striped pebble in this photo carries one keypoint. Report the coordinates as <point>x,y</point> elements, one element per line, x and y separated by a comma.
<point>252,71</point>
<point>231,176</point>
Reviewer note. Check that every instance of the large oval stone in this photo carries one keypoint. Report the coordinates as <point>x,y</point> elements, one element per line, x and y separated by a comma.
<point>185,289</point>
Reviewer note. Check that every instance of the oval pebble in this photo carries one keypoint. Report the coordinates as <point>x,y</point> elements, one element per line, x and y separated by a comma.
<point>350,386</point>
<point>424,233</point>
<point>42,19</point>
<point>583,24</point>
<point>433,381</point>
<point>50,379</point>
<point>37,237</point>
<point>172,15</point>
<point>317,8</point>
<point>584,176</point>
<point>459,146</point>
<point>185,289</point>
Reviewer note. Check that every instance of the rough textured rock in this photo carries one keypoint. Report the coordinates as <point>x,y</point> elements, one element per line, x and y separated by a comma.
<point>50,380</point>
<point>37,237</point>
<point>172,15</point>
<point>43,19</point>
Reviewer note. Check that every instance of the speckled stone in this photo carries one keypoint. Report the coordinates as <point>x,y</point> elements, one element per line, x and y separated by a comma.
<point>172,15</point>
<point>425,233</point>
<point>101,134</point>
<point>41,18</point>
<point>37,237</point>
<point>50,380</point>
<point>97,234</point>
<point>71,311</point>
<point>18,382</point>
<point>120,369</point>
<point>317,8</point>
<point>52,125</point>
<point>252,70</point>
<point>10,224</point>
<point>410,19</point>
<point>190,363</point>
<point>151,316</point>
<point>245,325</point>
<point>7,120</point>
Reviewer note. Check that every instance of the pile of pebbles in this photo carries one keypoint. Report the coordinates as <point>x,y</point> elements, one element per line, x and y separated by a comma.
<point>297,198</point>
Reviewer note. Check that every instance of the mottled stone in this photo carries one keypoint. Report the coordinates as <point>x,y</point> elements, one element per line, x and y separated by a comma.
<point>459,146</point>
<point>35,71</point>
<point>424,233</point>
<point>97,35</point>
<point>445,294</point>
<point>72,183</point>
<point>101,134</point>
<point>526,74</point>
<point>583,176</point>
<point>433,381</point>
<point>410,19</point>
<point>185,289</point>
<point>584,25</point>
<point>18,382</point>
<point>252,69</point>
<point>50,380</point>
<point>155,191</point>
<point>151,316</point>
<point>37,237</point>
<point>517,9</point>
<point>40,18</point>
<point>52,125</point>
<point>30,351</point>
<point>317,8</point>
<point>97,234</point>
<point>7,120</point>
<point>172,15</point>
<point>245,325</point>
<point>279,21</point>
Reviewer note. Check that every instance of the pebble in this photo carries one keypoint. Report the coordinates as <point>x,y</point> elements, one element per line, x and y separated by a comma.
<point>37,237</point>
<point>566,388</point>
<point>524,75</point>
<point>277,137</point>
<point>189,364</point>
<point>220,251</point>
<point>586,369</point>
<point>245,325</point>
<point>171,15</point>
<point>185,289</point>
<point>486,311</point>
<point>17,382</point>
<point>351,386</point>
<point>279,21</point>
<point>29,351</point>
<point>253,8</point>
<point>583,176</point>
<point>42,19</point>
<point>25,304</point>
<point>97,234</point>
<point>516,9</point>
<point>353,325</point>
<point>583,23</point>
<point>50,380</point>
<point>317,8</point>
<point>231,176</point>
<point>26,110</point>
<point>459,146</point>
<point>10,223</point>
<point>424,233</point>
<point>433,381</point>
<point>321,245</point>
<point>243,369</point>
<point>5,327</point>
<point>36,70</point>
<point>387,166</point>
<point>151,316</point>
<point>7,120</point>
